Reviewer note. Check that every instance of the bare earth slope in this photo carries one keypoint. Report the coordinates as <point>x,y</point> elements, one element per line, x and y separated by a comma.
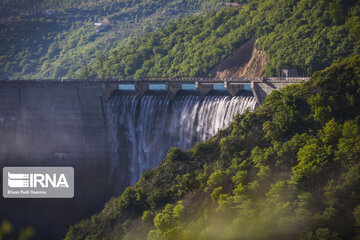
<point>246,61</point>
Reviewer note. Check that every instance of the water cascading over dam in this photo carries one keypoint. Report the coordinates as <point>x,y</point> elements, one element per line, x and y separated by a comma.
<point>98,128</point>
<point>142,129</point>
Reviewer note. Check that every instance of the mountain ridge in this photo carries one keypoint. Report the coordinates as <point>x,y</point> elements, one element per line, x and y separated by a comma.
<point>49,39</point>
<point>308,35</point>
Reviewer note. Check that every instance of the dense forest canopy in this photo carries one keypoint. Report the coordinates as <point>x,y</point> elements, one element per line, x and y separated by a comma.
<point>51,39</point>
<point>48,39</point>
<point>307,34</point>
<point>288,170</point>
<point>14,7</point>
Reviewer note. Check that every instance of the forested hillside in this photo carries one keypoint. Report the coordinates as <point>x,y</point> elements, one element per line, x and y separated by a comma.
<point>307,34</point>
<point>48,39</point>
<point>288,170</point>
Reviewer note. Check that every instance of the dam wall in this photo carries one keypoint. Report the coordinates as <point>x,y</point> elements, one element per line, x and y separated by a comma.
<point>87,124</point>
<point>54,124</point>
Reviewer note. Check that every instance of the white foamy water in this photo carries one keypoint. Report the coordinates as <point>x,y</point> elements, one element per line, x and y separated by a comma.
<point>142,130</point>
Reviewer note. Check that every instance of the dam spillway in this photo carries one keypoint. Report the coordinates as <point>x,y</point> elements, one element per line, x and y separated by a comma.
<point>80,124</point>
<point>142,129</point>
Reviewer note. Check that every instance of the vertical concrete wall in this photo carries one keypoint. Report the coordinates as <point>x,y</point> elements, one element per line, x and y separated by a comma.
<point>203,88</point>
<point>173,88</point>
<point>233,89</point>
<point>54,124</point>
<point>141,88</point>
<point>262,89</point>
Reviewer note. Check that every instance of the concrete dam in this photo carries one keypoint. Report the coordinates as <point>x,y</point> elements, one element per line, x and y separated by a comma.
<point>110,131</point>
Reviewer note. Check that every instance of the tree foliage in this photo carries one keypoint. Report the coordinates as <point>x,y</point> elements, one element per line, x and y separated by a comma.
<point>301,183</point>
<point>51,39</point>
<point>305,34</point>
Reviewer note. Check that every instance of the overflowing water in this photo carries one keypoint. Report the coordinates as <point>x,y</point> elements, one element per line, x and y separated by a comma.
<point>143,129</point>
